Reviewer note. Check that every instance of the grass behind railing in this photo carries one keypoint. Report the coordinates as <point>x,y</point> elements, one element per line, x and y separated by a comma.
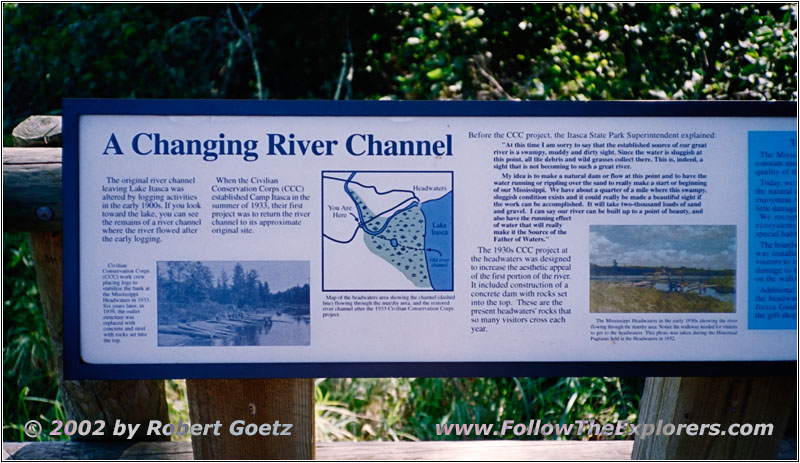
<point>30,390</point>
<point>410,408</point>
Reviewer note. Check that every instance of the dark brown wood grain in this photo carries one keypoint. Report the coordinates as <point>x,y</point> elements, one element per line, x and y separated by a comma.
<point>259,401</point>
<point>751,400</point>
<point>31,181</point>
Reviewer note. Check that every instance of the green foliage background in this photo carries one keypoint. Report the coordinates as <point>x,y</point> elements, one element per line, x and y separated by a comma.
<point>397,51</point>
<point>30,390</point>
<point>363,51</point>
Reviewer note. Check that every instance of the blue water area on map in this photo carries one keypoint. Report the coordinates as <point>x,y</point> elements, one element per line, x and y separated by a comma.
<point>439,241</point>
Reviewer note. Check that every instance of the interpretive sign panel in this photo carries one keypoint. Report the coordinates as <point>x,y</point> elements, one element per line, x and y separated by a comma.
<point>249,238</point>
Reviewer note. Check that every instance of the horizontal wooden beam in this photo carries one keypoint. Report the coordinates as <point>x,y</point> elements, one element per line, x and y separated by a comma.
<point>441,450</point>
<point>487,450</point>
<point>32,189</point>
<point>74,450</point>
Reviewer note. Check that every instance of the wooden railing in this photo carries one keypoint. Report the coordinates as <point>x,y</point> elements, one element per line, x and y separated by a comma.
<point>32,203</point>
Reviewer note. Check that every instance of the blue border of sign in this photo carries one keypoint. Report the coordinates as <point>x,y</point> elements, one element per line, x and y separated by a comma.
<point>76,368</point>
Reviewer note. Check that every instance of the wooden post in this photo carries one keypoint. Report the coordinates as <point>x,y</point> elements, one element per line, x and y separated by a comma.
<point>32,202</point>
<point>752,400</point>
<point>260,401</point>
<point>132,402</point>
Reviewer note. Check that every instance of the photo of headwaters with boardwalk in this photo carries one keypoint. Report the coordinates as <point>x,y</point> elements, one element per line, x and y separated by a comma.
<point>224,303</point>
<point>662,269</point>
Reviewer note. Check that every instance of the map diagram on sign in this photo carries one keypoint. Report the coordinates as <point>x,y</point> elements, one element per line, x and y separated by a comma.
<point>387,231</point>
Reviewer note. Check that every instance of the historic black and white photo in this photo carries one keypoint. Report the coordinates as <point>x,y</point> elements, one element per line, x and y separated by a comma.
<point>228,303</point>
